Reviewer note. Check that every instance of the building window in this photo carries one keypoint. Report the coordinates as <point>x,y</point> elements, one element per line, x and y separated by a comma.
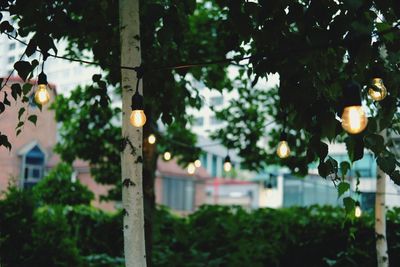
<point>11,59</point>
<point>198,121</point>
<point>367,201</point>
<point>178,193</point>
<point>33,167</point>
<point>11,46</point>
<point>203,159</point>
<point>216,100</point>
<point>214,166</point>
<point>214,121</point>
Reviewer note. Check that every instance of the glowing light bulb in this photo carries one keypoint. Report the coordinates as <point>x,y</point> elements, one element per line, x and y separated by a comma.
<point>42,96</point>
<point>151,139</point>
<point>138,118</point>
<point>227,164</point>
<point>357,211</point>
<point>283,149</point>
<point>354,119</point>
<point>197,163</point>
<point>167,156</point>
<point>191,168</point>
<point>381,93</point>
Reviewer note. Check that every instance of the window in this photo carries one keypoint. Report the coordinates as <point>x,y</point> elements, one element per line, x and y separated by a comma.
<point>203,159</point>
<point>178,193</point>
<point>33,167</point>
<point>216,100</point>
<point>214,166</point>
<point>367,201</point>
<point>198,121</point>
<point>11,59</point>
<point>214,120</point>
<point>11,46</point>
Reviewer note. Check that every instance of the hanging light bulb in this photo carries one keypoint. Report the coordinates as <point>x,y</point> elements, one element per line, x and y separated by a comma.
<point>137,118</point>
<point>227,164</point>
<point>283,150</point>
<point>357,210</point>
<point>152,139</point>
<point>197,163</point>
<point>42,95</point>
<point>377,91</point>
<point>354,119</point>
<point>191,168</point>
<point>167,156</point>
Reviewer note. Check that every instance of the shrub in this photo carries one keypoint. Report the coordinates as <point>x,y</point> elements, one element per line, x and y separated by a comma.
<point>58,189</point>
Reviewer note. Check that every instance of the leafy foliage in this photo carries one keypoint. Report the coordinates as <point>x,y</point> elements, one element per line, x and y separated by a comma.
<point>57,188</point>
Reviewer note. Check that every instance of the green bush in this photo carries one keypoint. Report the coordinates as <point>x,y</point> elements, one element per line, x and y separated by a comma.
<point>58,189</point>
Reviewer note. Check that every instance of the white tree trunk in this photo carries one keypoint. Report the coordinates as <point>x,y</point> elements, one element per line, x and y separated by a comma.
<point>132,157</point>
<point>380,216</point>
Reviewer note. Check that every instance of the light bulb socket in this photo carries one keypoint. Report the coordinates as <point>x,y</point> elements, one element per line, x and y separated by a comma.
<point>283,137</point>
<point>137,101</point>
<point>352,94</point>
<point>227,159</point>
<point>42,78</point>
<point>357,204</point>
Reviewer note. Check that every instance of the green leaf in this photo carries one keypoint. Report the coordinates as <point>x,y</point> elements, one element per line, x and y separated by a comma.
<point>343,187</point>
<point>375,142</point>
<point>16,90</point>
<point>6,101</point>
<point>20,112</point>
<point>2,107</point>
<point>23,68</point>
<point>349,204</point>
<point>33,119</point>
<point>4,141</point>
<point>21,123</point>
<point>344,168</point>
<point>26,88</point>
<point>387,163</point>
<point>18,132</point>
<point>395,176</point>
<point>355,147</point>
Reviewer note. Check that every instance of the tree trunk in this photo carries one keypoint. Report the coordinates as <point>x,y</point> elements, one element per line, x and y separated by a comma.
<point>380,216</point>
<point>149,171</point>
<point>131,158</point>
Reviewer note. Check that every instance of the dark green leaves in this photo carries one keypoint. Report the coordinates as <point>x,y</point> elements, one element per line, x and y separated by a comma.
<point>355,147</point>
<point>23,68</point>
<point>33,119</point>
<point>344,168</point>
<point>349,204</point>
<point>387,163</point>
<point>4,141</point>
<point>16,90</point>
<point>342,188</point>
<point>5,26</point>
<point>375,142</point>
<point>20,112</point>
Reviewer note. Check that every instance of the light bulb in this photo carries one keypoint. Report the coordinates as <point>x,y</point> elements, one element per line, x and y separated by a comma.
<point>138,118</point>
<point>197,163</point>
<point>283,149</point>
<point>377,95</point>
<point>152,139</point>
<point>191,168</point>
<point>167,156</point>
<point>357,211</point>
<point>42,95</point>
<point>354,119</point>
<point>227,164</point>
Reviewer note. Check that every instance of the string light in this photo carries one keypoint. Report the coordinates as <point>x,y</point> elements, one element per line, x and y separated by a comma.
<point>227,164</point>
<point>377,90</point>
<point>191,169</point>
<point>152,139</point>
<point>197,163</point>
<point>357,210</point>
<point>354,119</point>
<point>42,95</point>
<point>283,150</point>
<point>167,156</point>
<point>138,117</point>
